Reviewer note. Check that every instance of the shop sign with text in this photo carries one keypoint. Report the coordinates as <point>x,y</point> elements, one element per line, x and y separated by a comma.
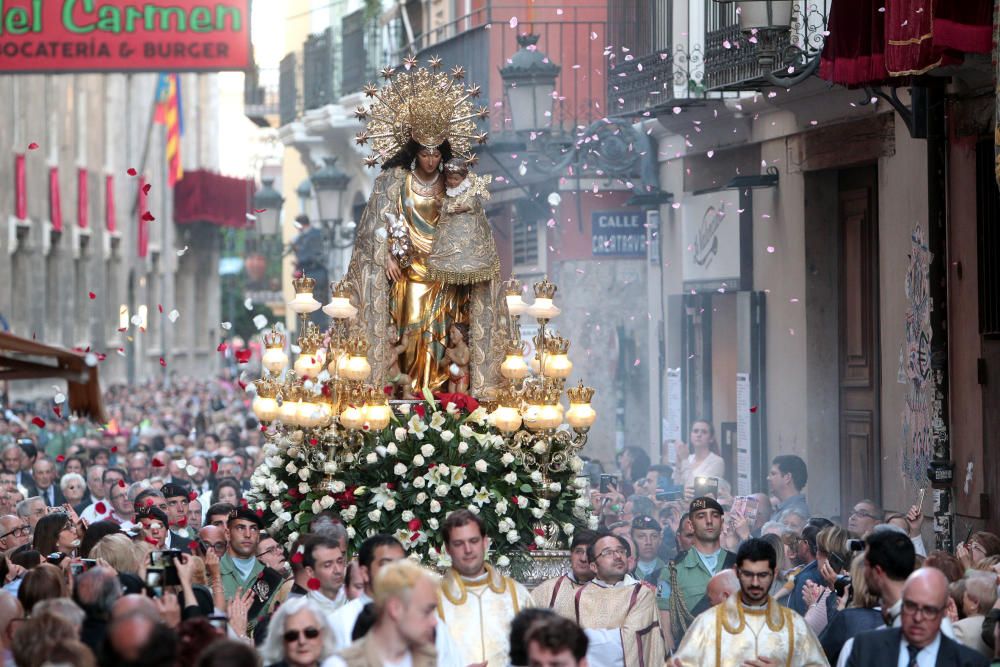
<point>618,233</point>
<point>124,35</point>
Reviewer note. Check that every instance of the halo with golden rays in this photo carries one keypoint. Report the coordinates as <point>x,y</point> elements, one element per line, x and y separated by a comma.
<point>426,105</point>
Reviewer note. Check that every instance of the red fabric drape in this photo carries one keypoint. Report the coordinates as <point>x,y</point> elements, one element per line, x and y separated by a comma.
<point>20,188</point>
<point>55,205</point>
<point>142,237</point>
<point>202,196</point>
<point>110,223</point>
<point>965,26</point>
<point>82,199</point>
<point>854,51</point>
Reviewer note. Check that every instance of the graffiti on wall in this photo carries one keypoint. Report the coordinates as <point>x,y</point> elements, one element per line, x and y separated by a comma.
<point>919,411</point>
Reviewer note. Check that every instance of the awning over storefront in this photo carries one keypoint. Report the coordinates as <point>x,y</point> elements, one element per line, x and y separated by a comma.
<point>23,359</point>
<point>202,196</point>
<point>885,42</point>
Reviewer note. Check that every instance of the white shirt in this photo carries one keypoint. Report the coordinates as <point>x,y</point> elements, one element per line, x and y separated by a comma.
<point>342,621</point>
<point>927,657</point>
<point>713,465</point>
<point>605,648</point>
<point>406,661</point>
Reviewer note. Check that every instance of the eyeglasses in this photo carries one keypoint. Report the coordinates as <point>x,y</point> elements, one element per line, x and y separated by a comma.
<point>867,515</point>
<point>217,546</point>
<point>20,531</point>
<point>611,553</point>
<point>293,635</point>
<point>756,576</point>
<point>911,608</point>
<point>273,550</point>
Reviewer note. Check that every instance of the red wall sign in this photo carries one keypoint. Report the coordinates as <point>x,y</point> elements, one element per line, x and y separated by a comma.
<point>124,35</point>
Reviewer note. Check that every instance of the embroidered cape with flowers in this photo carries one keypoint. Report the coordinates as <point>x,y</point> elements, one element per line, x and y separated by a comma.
<point>435,457</point>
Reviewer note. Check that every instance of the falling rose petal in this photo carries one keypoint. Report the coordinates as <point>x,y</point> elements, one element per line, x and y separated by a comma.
<point>227,325</point>
<point>636,363</point>
<point>131,171</point>
<point>243,356</point>
<point>513,21</point>
<point>121,483</point>
<point>90,359</point>
<point>180,253</point>
<point>121,351</point>
<point>260,321</point>
<point>248,303</point>
<point>91,295</point>
<point>38,421</point>
<point>174,314</point>
<point>214,467</point>
<point>770,249</point>
<point>59,398</point>
<point>753,408</point>
<point>148,217</point>
<point>32,146</point>
<point>162,362</point>
<point>146,188</point>
<point>159,307</point>
<point>100,507</point>
<point>259,210</point>
<point>593,36</point>
<point>554,199</point>
<point>60,458</point>
<point>136,320</point>
<point>58,410</point>
<point>222,347</point>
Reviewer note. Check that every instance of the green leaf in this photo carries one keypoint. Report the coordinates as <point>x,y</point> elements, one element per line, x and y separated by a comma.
<point>526,488</point>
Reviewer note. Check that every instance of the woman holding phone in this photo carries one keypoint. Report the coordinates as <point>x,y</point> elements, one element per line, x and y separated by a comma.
<point>702,460</point>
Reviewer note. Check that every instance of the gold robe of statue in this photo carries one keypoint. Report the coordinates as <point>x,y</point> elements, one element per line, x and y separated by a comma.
<point>478,613</point>
<point>402,218</point>
<point>730,633</point>
<point>622,622</point>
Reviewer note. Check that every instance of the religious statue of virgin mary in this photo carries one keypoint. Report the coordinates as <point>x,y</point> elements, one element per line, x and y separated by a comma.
<point>417,121</point>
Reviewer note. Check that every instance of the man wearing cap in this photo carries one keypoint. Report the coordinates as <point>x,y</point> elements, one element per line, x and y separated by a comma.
<point>689,574</point>
<point>177,496</point>
<point>240,569</point>
<point>647,535</point>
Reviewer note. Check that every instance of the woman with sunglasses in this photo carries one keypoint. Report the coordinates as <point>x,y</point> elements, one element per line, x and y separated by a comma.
<point>299,636</point>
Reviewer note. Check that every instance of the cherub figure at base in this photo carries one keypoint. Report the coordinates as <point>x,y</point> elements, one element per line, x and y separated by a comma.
<point>464,252</point>
<point>397,379</point>
<point>458,355</point>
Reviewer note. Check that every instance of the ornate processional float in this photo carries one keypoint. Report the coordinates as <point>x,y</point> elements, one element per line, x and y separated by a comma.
<point>376,419</point>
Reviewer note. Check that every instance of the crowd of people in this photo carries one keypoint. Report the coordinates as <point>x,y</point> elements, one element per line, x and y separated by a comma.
<point>132,542</point>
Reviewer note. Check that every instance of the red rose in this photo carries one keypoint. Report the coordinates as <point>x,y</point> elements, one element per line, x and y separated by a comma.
<point>260,513</point>
<point>313,584</point>
<point>414,524</point>
<point>420,410</point>
<point>38,421</point>
<point>121,483</point>
<point>539,531</point>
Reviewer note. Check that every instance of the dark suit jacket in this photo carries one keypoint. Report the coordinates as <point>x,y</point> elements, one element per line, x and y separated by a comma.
<point>881,647</point>
<point>794,599</point>
<point>25,479</point>
<point>56,491</point>
<point>846,624</point>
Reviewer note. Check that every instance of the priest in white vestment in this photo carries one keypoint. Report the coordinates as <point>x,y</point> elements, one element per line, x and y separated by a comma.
<point>477,603</point>
<point>750,627</point>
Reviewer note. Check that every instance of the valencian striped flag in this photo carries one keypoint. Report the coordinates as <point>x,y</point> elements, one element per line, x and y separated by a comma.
<point>169,114</point>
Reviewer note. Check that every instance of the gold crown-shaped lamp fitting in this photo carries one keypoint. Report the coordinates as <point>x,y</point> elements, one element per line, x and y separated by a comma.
<point>512,287</point>
<point>340,289</point>
<point>266,388</point>
<point>545,289</point>
<point>303,285</point>
<point>580,393</point>
<point>311,340</point>
<point>274,338</point>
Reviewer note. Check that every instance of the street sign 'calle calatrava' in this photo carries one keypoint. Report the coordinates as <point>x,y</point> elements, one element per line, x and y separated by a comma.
<point>124,36</point>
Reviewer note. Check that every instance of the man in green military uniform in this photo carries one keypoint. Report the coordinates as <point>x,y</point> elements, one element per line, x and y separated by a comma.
<point>241,571</point>
<point>689,574</point>
<point>647,535</point>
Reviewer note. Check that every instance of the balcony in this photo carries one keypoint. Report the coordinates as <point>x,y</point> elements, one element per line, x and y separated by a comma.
<point>289,87</point>
<point>260,95</point>
<point>739,61</point>
<point>641,74</point>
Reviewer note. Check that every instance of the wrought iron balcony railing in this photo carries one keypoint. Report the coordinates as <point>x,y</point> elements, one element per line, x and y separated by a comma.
<point>260,95</point>
<point>290,87</point>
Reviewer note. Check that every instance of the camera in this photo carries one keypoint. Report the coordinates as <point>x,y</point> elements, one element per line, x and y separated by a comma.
<point>162,571</point>
<point>668,496</point>
<point>607,482</point>
<point>855,545</point>
<point>82,566</point>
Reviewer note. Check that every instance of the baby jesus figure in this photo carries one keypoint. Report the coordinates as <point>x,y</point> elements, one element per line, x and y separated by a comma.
<point>464,251</point>
<point>458,355</point>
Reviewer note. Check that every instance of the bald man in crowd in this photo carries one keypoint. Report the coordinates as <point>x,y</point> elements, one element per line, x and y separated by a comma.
<point>721,586</point>
<point>918,642</point>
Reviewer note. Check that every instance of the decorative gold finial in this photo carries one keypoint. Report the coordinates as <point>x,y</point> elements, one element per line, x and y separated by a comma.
<point>556,345</point>
<point>512,287</point>
<point>340,289</point>
<point>544,289</point>
<point>580,393</point>
<point>304,285</point>
<point>310,341</point>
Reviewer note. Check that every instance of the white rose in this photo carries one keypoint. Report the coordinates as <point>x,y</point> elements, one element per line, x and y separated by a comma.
<point>389,505</point>
<point>447,436</point>
<point>399,469</point>
<point>292,536</point>
<point>442,490</point>
<point>481,465</point>
<point>501,507</point>
<point>285,516</point>
<point>330,467</point>
<point>473,508</point>
<point>513,537</point>
<point>304,488</point>
<point>581,482</point>
<point>404,408</point>
<point>433,523</point>
<point>582,502</point>
<point>419,483</point>
<point>421,498</point>
<point>400,433</point>
<point>350,513</point>
<point>543,503</point>
<point>537,512</point>
<point>418,460</point>
<point>276,506</point>
<point>291,468</point>
<point>568,528</point>
<point>503,561</point>
<point>510,477</point>
<point>392,449</point>
<point>374,516</point>
<point>326,502</point>
<point>463,447</point>
<point>427,450</point>
<point>349,457</point>
<point>540,447</point>
<point>467,490</point>
<point>304,473</point>
<point>372,458</point>
<point>540,540</point>
<point>536,476</point>
<point>522,502</point>
<point>507,459</point>
<point>338,486</point>
<point>555,487</point>
<point>435,506</point>
<point>406,516</point>
<point>316,507</point>
<point>593,521</point>
<point>465,431</point>
<point>351,532</point>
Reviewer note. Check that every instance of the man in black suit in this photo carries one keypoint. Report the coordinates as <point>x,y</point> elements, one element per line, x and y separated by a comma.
<point>44,473</point>
<point>13,456</point>
<point>918,642</point>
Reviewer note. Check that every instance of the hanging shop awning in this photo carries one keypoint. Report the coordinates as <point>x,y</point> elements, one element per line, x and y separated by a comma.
<point>202,196</point>
<point>885,42</point>
<point>24,359</point>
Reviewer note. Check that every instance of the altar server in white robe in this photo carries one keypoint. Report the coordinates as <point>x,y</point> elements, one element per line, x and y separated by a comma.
<point>375,553</point>
<point>477,602</point>
<point>750,628</point>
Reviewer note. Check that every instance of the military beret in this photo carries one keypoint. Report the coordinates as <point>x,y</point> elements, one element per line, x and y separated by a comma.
<point>173,490</point>
<point>644,522</point>
<point>152,512</point>
<point>705,503</point>
<point>246,514</point>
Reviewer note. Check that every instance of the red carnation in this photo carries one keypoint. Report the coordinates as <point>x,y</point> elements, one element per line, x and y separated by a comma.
<point>419,409</point>
<point>243,356</point>
<point>244,503</point>
<point>313,584</point>
<point>100,507</point>
<point>260,513</point>
<point>157,463</point>
<point>414,525</point>
<point>60,458</point>
<point>539,531</point>
<point>149,502</point>
<point>114,449</point>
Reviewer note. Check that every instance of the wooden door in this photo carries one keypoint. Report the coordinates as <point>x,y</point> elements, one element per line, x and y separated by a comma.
<point>859,358</point>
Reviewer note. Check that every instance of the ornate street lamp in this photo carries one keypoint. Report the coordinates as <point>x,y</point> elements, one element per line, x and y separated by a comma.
<point>304,192</point>
<point>530,82</point>
<point>330,184</point>
<point>269,202</point>
<point>757,15</point>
